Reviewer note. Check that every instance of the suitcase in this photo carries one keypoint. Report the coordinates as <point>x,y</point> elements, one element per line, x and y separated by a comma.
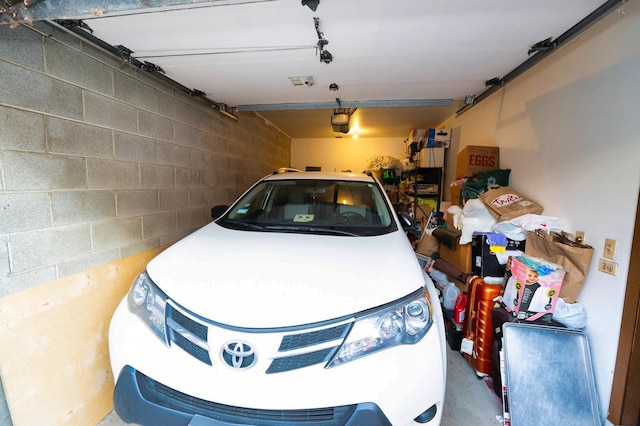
<point>478,326</point>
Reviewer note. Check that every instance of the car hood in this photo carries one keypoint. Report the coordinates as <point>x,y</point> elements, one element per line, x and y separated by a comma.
<point>273,279</point>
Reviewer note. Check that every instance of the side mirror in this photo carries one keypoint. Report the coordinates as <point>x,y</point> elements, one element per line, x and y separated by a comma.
<point>406,221</point>
<point>218,211</point>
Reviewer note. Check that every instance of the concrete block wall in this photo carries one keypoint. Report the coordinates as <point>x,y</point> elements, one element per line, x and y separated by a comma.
<point>99,161</point>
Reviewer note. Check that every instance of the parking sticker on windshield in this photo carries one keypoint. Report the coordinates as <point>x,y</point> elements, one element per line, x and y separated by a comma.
<point>303,218</point>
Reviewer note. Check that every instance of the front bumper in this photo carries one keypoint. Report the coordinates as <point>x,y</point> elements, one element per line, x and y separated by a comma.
<point>139,397</point>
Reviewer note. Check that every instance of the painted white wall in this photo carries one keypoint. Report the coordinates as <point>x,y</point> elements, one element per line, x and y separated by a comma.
<point>345,153</point>
<point>569,129</point>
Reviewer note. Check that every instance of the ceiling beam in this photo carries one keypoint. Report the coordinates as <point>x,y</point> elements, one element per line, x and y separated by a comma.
<point>347,104</point>
<point>39,10</point>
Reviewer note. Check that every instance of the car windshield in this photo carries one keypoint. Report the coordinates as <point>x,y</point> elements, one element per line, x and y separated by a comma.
<point>335,207</point>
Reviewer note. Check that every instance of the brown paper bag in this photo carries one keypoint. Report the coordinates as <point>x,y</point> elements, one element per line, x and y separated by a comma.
<point>428,245</point>
<point>505,203</point>
<point>557,248</point>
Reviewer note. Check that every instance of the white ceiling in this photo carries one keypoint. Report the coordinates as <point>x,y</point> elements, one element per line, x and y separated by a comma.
<point>242,53</point>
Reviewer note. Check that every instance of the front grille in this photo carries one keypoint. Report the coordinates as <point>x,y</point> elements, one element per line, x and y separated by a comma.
<point>171,398</point>
<point>194,327</point>
<point>188,334</point>
<point>299,361</point>
<point>194,350</point>
<point>311,347</point>
<point>301,340</point>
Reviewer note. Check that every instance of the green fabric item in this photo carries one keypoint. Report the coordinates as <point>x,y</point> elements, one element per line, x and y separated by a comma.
<point>478,184</point>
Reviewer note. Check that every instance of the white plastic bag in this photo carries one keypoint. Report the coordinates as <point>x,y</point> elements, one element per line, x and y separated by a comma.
<point>571,315</point>
<point>476,219</point>
<point>531,222</point>
<point>458,215</point>
<point>512,231</point>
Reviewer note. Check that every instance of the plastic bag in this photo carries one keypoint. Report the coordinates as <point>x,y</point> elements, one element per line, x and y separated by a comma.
<point>476,219</point>
<point>512,231</point>
<point>571,315</point>
<point>382,162</point>
<point>532,222</point>
<point>457,214</point>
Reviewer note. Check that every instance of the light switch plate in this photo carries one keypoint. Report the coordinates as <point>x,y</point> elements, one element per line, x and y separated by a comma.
<point>609,249</point>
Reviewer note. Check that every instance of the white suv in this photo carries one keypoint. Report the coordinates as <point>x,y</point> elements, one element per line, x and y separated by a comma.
<point>301,304</point>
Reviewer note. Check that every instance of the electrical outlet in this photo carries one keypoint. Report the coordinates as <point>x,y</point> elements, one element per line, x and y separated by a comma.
<point>608,267</point>
<point>609,249</point>
<point>580,237</point>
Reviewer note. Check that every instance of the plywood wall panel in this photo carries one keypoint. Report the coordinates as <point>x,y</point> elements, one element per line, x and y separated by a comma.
<point>54,356</point>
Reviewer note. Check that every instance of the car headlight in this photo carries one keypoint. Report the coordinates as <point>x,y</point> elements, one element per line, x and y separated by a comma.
<point>404,323</point>
<point>149,303</point>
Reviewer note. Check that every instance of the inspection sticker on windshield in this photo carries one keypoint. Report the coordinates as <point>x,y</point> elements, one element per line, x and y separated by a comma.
<point>303,218</point>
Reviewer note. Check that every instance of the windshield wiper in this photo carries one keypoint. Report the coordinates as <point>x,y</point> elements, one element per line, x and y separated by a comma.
<point>241,224</point>
<point>314,229</point>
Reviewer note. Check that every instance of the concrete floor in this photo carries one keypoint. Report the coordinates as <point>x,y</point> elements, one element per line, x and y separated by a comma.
<point>468,399</point>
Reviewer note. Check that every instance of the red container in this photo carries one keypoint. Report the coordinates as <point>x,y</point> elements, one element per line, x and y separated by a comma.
<point>478,326</point>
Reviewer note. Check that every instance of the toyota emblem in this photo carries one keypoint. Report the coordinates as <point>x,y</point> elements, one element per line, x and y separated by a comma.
<point>238,355</point>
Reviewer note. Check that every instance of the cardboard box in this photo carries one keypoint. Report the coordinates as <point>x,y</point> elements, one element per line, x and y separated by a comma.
<point>427,245</point>
<point>505,203</point>
<point>432,157</point>
<point>474,158</point>
<point>431,138</point>
<point>438,138</point>
<point>532,288</point>
<point>454,191</point>
<point>485,261</point>
<point>460,257</point>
